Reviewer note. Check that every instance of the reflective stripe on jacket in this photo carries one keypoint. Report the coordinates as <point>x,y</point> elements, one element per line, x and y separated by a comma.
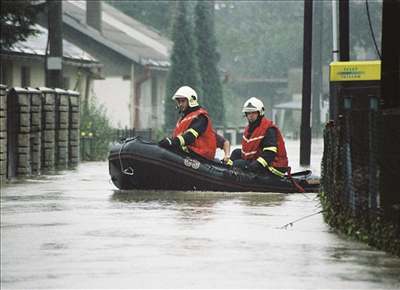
<point>204,145</point>
<point>251,147</point>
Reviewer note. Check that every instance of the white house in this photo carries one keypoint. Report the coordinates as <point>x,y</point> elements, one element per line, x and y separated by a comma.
<point>135,59</point>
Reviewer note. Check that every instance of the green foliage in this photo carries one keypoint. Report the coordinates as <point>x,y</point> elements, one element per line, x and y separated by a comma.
<point>183,69</point>
<point>368,228</point>
<point>260,38</point>
<point>17,19</point>
<point>207,59</point>
<point>96,132</point>
<point>233,105</point>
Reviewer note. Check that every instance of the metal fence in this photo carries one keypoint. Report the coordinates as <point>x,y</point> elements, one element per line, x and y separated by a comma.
<point>95,147</point>
<point>351,185</point>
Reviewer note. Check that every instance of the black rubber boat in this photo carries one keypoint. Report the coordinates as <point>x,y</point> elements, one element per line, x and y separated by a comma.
<point>138,164</point>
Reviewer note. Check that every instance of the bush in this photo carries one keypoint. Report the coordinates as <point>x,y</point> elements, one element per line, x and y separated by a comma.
<point>96,132</point>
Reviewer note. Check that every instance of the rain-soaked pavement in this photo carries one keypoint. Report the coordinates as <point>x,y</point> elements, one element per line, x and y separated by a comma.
<point>76,230</point>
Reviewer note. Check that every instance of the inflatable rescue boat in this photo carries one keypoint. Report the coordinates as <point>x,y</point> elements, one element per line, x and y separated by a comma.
<point>135,163</point>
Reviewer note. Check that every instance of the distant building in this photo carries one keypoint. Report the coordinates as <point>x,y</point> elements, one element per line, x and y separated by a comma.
<point>286,113</point>
<point>135,59</point>
<point>23,65</point>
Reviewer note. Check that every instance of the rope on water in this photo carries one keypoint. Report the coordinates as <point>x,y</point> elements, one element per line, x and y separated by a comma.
<point>285,226</point>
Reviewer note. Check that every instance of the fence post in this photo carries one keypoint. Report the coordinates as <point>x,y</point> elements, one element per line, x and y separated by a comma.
<point>35,97</point>
<point>48,129</point>
<point>373,153</point>
<point>62,125</point>
<point>18,129</point>
<point>3,133</point>
<point>74,122</point>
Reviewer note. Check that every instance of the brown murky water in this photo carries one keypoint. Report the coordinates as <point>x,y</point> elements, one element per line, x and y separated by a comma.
<point>76,230</point>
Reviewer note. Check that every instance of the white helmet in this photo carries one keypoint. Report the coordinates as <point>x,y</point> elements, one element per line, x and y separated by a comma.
<point>187,93</point>
<point>253,105</point>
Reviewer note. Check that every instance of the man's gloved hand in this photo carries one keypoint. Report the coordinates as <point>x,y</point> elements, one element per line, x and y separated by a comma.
<point>168,143</point>
<point>255,166</point>
<point>165,143</point>
<point>227,161</point>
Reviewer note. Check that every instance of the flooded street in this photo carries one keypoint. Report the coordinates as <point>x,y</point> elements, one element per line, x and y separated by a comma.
<point>76,230</point>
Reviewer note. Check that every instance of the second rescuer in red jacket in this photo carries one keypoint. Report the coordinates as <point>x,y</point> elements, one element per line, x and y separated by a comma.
<point>193,131</point>
<point>263,147</point>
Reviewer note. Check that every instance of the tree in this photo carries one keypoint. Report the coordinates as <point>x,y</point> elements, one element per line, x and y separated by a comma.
<point>183,69</point>
<point>17,19</point>
<point>207,58</point>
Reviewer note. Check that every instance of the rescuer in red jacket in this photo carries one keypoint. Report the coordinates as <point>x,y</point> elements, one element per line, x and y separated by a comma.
<point>263,147</point>
<point>193,131</point>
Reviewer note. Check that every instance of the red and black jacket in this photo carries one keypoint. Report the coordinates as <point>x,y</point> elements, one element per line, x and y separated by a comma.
<point>205,144</point>
<point>251,145</point>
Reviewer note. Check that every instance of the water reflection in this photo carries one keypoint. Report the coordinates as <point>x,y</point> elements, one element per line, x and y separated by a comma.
<point>194,205</point>
<point>196,198</point>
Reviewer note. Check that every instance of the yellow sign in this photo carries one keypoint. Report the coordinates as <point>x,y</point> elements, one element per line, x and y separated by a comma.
<point>355,71</point>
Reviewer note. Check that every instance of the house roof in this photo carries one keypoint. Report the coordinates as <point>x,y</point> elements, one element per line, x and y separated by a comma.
<point>121,33</point>
<point>35,45</point>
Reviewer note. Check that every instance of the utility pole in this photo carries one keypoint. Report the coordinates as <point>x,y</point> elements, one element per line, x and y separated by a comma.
<point>305,129</point>
<point>390,55</point>
<point>54,77</point>
<point>317,69</point>
<point>390,111</point>
<point>335,57</point>
<point>335,49</point>
<point>344,39</point>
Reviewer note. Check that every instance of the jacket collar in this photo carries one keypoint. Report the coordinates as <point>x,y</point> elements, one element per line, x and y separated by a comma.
<point>254,125</point>
<point>190,110</point>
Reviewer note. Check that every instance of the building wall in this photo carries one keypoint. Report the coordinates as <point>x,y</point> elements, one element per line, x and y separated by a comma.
<point>114,94</point>
<point>33,70</point>
<point>161,90</point>
<point>76,76</point>
<point>152,95</point>
<point>115,91</point>
<point>146,109</point>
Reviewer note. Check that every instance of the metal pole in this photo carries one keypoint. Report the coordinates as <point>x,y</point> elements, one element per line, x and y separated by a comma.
<point>335,57</point>
<point>305,129</point>
<point>317,69</point>
<point>54,61</point>
<point>335,49</point>
<point>344,25</point>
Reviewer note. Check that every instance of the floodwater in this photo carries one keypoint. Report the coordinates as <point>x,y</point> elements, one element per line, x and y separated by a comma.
<point>76,230</point>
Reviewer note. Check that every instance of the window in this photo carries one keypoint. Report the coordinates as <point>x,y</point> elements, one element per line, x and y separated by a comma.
<point>6,73</point>
<point>25,76</point>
